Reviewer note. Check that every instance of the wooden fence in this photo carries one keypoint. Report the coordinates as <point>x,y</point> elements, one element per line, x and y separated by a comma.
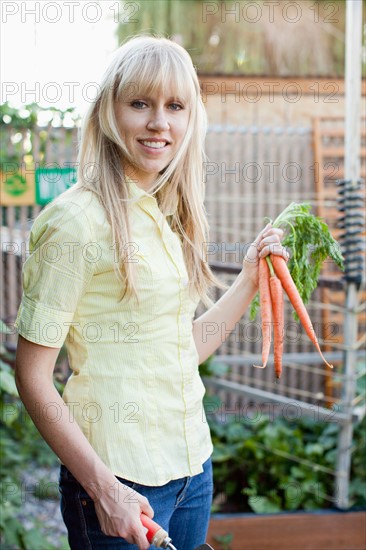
<point>250,173</point>
<point>253,173</point>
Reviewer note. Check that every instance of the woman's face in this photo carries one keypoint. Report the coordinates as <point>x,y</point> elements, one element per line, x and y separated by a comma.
<point>152,128</point>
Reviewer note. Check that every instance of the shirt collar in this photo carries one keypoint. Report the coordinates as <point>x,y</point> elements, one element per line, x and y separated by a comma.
<point>138,193</point>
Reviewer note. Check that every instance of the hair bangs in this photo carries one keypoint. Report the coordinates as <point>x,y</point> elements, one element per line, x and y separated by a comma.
<point>155,71</point>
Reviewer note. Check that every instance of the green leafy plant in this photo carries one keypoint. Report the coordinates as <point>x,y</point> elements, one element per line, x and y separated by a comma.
<point>266,465</point>
<point>213,368</point>
<point>224,541</point>
<point>28,115</point>
<point>21,445</point>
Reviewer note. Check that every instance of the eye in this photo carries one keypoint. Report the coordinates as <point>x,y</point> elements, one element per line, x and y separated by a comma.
<point>138,104</point>
<point>176,106</point>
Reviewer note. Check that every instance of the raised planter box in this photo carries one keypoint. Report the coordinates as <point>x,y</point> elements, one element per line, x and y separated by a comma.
<point>320,530</point>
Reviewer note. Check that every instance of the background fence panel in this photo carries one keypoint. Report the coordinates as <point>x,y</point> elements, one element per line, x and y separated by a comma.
<point>251,172</point>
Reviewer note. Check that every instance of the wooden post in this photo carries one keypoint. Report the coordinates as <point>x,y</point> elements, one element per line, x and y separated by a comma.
<point>352,173</point>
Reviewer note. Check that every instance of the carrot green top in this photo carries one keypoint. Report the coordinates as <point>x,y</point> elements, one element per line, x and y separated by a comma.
<point>310,243</point>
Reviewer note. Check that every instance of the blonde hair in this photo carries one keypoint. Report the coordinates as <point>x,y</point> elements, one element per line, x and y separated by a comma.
<point>149,64</point>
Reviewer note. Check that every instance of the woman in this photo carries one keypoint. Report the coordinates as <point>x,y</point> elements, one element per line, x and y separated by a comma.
<point>117,268</point>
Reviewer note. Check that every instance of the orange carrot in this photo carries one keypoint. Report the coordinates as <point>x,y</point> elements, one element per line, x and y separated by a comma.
<point>265,307</point>
<point>282,272</point>
<point>278,322</point>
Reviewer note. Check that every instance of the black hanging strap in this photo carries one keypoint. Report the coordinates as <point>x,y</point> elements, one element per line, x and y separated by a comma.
<point>352,205</point>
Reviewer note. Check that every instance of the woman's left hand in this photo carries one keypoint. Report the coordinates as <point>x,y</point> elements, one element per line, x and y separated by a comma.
<point>268,241</point>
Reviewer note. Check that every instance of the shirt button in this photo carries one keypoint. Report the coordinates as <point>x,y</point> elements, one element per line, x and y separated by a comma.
<point>25,280</point>
<point>185,283</point>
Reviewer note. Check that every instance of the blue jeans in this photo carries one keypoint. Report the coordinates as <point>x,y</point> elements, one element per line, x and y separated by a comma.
<point>182,507</point>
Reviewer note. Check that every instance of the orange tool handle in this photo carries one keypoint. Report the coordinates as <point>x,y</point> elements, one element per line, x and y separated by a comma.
<point>155,534</point>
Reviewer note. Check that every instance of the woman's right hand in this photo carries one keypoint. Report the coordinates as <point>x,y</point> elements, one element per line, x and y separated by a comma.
<point>119,512</point>
<point>118,507</point>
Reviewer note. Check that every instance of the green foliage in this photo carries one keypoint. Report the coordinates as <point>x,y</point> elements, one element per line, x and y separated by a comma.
<point>19,118</point>
<point>21,444</point>
<point>17,537</point>
<point>310,243</point>
<point>213,368</point>
<point>224,540</point>
<point>357,489</point>
<point>254,306</point>
<point>231,43</point>
<point>268,465</point>
<point>26,119</point>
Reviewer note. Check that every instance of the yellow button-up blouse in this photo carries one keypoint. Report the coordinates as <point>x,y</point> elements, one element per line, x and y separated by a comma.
<point>135,389</point>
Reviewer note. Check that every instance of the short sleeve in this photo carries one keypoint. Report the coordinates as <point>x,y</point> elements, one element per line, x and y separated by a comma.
<point>56,273</point>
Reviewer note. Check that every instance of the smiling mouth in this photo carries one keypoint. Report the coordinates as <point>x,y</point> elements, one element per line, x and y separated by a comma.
<point>154,144</point>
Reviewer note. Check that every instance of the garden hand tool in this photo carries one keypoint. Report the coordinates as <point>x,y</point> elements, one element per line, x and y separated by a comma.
<point>160,538</point>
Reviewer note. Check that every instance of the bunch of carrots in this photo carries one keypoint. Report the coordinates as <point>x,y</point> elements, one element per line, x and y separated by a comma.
<point>274,277</point>
<point>310,243</point>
